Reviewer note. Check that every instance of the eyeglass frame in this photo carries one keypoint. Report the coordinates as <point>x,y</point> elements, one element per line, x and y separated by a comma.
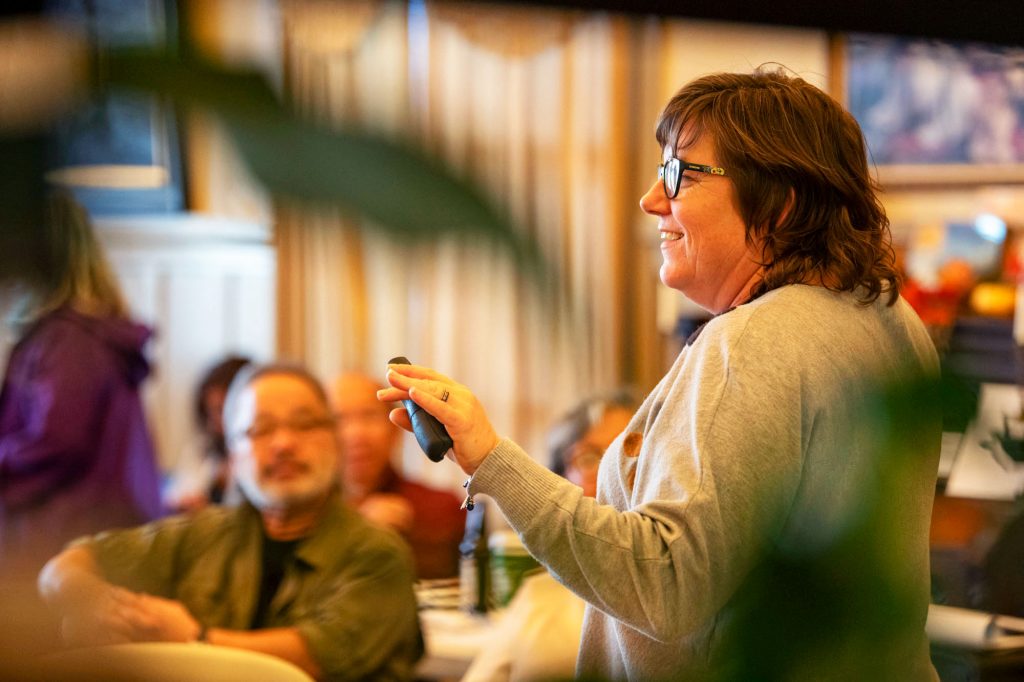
<point>684,166</point>
<point>261,433</point>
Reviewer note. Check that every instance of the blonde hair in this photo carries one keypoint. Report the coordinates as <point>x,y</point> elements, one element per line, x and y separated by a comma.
<point>75,272</point>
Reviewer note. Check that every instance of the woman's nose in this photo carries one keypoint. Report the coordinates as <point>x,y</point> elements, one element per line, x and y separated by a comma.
<point>654,202</point>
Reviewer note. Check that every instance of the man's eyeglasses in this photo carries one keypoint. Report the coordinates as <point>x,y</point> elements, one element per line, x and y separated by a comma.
<point>671,173</point>
<point>301,425</point>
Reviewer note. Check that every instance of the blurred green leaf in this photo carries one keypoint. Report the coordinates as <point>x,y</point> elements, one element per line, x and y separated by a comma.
<point>397,187</point>
<point>21,211</point>
<point>844,606</point>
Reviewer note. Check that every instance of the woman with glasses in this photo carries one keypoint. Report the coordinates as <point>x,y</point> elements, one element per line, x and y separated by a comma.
<point>745,480</point>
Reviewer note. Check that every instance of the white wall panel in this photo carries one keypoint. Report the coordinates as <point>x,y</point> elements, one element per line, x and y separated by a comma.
<point>207,287</point>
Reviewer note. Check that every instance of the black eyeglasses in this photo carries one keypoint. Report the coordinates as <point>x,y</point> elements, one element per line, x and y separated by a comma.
<point>671,173</point>
<point>300,425</point>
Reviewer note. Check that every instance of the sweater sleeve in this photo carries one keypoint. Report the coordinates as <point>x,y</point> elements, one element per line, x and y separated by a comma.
<point>714,479</point>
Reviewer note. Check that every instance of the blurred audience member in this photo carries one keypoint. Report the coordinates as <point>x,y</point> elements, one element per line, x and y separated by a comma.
<point>75,453</point>
<point>1003,568</point>
<point>200,476</point>
<point>940,305</point>
<point>431,520</point>
<point>292,572</point>
<point>539,636</point>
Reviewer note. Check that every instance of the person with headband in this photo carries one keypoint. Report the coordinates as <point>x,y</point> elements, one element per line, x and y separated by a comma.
<point>749,445</point>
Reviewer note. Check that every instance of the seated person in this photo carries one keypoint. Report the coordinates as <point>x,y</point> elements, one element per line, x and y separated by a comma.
<point>539,636</point>
<point>1003,571</point>
<point>200,476</point>
<point>430,520</point>
<point>291,572</point>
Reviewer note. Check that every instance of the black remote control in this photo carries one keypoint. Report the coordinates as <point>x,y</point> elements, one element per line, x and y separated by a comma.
<point>430,433</point>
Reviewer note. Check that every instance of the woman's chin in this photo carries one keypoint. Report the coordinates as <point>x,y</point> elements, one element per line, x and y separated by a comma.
<point>672,278</point>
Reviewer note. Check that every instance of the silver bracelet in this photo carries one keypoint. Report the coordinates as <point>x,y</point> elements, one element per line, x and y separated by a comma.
<point>469,502</point>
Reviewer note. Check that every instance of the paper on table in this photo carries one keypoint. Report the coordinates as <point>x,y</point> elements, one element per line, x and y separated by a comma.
<point>977,472</point>
<point>974,630</point>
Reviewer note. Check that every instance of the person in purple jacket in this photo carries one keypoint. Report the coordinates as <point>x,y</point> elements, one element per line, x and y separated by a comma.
<point>75,453</point>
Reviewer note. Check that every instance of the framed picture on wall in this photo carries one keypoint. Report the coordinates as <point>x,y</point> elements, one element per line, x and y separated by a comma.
<point>119,153</point>
<point>936,112</point>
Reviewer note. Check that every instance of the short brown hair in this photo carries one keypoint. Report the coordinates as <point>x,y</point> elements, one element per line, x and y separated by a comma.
<point>799,165</point>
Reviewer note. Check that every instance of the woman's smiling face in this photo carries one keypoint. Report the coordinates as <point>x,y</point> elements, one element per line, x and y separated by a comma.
<point>704,250</point>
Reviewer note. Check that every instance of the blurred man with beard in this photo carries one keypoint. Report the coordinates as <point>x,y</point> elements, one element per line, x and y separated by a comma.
<point>291,572</point>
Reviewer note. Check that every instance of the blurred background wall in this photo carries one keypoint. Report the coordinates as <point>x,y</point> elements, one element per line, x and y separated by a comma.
<point>551,111</point>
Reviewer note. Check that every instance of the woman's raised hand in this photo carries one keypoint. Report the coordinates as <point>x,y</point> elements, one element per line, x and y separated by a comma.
<point>450,402</point>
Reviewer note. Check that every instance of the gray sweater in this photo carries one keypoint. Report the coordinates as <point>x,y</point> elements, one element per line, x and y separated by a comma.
<point>747,445</point>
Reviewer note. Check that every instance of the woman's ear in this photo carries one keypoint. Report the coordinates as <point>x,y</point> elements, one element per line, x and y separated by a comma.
<point>762,232</point>
<point>787,208</point>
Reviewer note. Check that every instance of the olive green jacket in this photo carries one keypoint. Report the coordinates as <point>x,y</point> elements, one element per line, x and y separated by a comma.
<point>348,588</point>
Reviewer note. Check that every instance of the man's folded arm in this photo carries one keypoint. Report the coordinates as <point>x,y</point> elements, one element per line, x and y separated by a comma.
<point>285,643</point>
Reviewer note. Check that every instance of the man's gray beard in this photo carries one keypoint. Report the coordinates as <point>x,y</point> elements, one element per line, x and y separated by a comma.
<point>260,499</point>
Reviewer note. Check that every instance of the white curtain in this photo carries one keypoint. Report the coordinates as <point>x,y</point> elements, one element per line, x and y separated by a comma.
<point>530,116</point>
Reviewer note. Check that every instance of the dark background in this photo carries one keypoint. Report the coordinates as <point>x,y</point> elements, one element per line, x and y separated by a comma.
<point>988,20</point>
<point>996,21</point>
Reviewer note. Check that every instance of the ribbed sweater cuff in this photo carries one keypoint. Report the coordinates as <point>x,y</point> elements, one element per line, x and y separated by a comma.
<point>519,485</point>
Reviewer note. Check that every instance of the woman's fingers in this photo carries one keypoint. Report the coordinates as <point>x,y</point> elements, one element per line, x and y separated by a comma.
<point>445,411</point>
<point>392,395</point>
<point>453,404</point>
<point>431,395</point>
<point>402,388</point>
<point>400,418</point>
<point>419,372</point>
